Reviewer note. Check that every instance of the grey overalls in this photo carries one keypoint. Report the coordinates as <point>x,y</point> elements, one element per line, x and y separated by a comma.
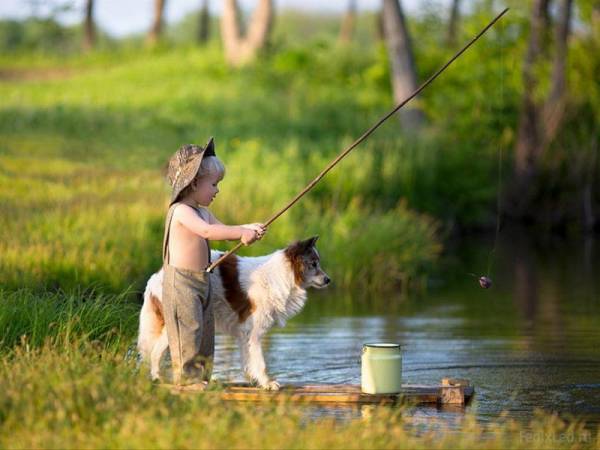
<point>189,317</point>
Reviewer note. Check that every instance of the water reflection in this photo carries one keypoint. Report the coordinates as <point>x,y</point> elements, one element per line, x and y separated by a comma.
<point>529,342</point>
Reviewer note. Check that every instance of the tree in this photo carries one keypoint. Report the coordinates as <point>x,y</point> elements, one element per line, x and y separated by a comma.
<point>348,23</point>
<point>555,104</point>
<point>204,23</point>
<point>240,49</point>
<point>157,22</point>
<point>378,34</point>
<point>528,141</point>
<point>89,40</point>
<point>453,23</point>
<point>403,69</point>
<point>540,117</point>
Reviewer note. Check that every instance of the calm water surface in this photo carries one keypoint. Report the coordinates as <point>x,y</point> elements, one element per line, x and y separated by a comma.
<point>530,342</point>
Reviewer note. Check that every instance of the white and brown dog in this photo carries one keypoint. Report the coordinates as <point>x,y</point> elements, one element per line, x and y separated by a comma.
<point>249,296</point>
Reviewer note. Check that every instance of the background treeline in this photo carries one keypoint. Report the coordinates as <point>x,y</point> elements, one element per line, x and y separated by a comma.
<point>86,124</point>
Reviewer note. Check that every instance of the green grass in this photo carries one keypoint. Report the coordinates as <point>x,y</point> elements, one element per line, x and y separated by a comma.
<point>57,319</point>
<point>83,196</point>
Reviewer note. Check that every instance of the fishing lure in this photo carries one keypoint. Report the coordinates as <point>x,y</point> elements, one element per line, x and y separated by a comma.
<point>485,282</point>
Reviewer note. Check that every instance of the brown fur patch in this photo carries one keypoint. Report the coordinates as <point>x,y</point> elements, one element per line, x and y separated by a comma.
<point>235,296</point>
<point>294,254</point>
<point>157,308</point>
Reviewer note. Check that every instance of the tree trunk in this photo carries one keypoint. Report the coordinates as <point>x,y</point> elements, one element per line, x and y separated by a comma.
<point>204,23</point>
<point>259,30</point>
<point>157,23</point>
<point>555,104</point>
<point>348,22</point>
<point>89,30</point>
<point>403,69</point>
<point>540,118</point>
<point>241,50</point>
<point>230,32</point>
<point>528,147</point>
<point>453,23</point>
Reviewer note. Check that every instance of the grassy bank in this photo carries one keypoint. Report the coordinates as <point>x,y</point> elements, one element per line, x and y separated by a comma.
<point>69,383</point>
<point>90,398</point>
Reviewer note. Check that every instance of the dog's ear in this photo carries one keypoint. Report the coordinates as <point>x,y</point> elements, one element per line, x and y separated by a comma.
<point>307,244</point>
<point>301,247</point>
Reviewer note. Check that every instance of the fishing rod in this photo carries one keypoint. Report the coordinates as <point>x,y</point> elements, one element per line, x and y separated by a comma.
<point>364,136</point>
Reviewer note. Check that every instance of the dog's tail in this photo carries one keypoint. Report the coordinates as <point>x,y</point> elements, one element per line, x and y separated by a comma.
<point>152,320</point>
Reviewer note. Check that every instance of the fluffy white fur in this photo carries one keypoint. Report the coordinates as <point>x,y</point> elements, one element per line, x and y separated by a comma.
<point>270,284</point>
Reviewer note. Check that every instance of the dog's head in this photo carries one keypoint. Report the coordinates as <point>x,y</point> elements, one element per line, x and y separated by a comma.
<point>306,263</point>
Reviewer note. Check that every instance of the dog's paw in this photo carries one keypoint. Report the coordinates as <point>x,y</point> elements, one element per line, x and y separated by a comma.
<point>155,376</point>
<point>272,385</point>
<point>155,379</point>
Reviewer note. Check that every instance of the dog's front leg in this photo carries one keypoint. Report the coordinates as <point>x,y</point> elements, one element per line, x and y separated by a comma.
<point>256,367</point>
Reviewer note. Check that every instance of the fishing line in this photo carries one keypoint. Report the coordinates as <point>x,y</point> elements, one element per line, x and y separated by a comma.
<point>485,281</point>
<point>364,136</point>
<point>500,161</point>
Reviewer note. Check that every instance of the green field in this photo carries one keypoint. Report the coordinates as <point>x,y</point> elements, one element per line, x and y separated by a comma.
<point>83,193</point>
<point>84,140</point>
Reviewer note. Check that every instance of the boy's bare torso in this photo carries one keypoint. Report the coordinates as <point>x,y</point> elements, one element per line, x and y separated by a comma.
<point>187,250</point>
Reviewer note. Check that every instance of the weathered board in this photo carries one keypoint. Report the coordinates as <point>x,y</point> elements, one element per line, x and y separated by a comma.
<point>448,392</point>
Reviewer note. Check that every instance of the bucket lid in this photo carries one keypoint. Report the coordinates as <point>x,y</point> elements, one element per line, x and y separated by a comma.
<point>382,345</point>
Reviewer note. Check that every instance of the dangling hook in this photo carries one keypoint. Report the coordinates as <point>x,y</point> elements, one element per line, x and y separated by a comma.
<point>484,281</point>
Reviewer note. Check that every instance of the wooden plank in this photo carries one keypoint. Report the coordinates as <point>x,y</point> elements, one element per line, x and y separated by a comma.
<point>444,394</point>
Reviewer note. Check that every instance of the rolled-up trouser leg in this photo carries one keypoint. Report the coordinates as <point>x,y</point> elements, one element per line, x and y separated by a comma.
<point>190,324</point>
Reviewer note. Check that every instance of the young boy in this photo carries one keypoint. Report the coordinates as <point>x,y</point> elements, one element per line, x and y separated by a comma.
<point>194,173</point>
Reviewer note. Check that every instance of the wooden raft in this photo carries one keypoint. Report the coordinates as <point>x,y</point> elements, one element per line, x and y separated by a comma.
<point>448,392</point>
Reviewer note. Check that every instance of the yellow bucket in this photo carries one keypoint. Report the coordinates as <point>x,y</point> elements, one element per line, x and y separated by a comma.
<point>381,368</point>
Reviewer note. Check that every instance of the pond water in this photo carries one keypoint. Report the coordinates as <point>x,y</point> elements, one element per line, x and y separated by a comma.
<point>532,341</point>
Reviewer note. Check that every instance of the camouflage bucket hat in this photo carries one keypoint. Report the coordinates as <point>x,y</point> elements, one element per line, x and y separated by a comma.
<point>184,165</point>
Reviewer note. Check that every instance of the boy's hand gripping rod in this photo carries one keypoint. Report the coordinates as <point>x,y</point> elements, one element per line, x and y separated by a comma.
<point>360,139</point>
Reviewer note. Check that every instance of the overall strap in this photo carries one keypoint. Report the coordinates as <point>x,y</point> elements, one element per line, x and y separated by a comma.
<point>166,235</point>
<point>200,213</point>
<point>208,248</point>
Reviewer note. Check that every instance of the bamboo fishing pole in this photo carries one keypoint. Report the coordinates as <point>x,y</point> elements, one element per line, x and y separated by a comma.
<point>365,135</point>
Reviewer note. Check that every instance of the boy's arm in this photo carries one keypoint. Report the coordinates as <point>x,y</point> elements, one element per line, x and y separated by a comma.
<point>188,217</point>
<point>257,227</point>
<point>217,231</point>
